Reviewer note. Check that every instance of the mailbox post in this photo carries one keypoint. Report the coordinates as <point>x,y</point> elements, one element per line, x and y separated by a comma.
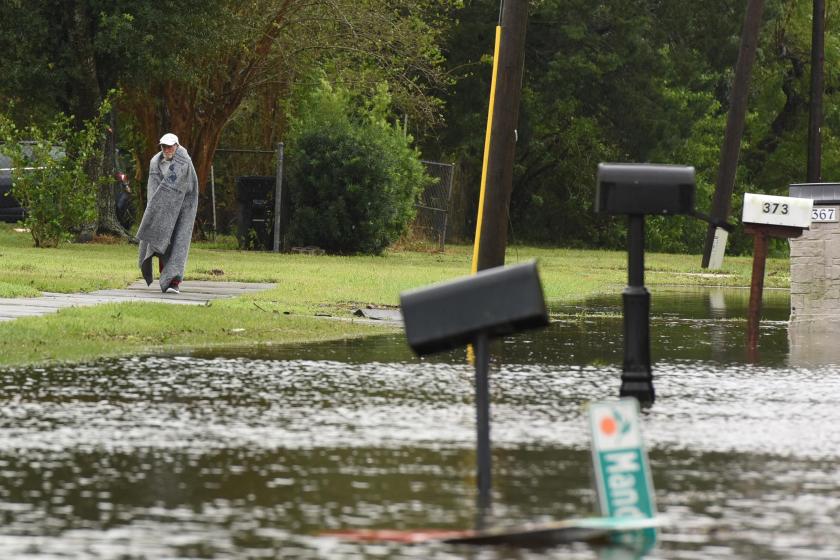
<point>637,190</point>
<point>473,310</point>
<point>769,216</point>
<point>637,379</point>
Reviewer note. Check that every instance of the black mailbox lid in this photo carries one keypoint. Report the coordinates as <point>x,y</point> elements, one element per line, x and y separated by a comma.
<point>820,193</point>
<point>645,188</point>
<point>496,301</point>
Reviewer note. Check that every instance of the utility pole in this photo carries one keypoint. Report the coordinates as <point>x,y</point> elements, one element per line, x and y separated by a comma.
<point>494,225</point>
<point>722,200</point>
<point>814,174</point>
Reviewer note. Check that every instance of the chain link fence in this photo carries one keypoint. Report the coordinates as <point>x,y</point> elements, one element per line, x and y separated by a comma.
<point>241,199</point>
<point>433,207</point>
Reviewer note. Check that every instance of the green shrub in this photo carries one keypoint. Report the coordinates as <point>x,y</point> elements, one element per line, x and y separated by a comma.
<point>49,177</point>
<point>353,177</point>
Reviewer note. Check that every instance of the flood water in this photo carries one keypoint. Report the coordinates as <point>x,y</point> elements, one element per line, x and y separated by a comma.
<point>253,453</point>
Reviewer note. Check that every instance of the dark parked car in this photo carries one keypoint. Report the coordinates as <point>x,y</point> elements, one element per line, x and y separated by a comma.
<point>12,211</point>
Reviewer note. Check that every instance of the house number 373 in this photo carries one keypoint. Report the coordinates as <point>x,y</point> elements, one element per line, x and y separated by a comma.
<point>774,208</point>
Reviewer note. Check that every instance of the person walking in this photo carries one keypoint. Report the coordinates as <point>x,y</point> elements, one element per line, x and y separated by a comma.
<point>167,225</point>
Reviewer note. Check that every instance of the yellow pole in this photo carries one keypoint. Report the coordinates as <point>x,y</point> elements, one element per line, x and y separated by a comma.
<point>477,241</point>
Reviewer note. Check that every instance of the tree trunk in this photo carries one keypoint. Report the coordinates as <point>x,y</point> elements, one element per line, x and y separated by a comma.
<point>198,119</point>
<point>86,106</point>
<point>106,204</point>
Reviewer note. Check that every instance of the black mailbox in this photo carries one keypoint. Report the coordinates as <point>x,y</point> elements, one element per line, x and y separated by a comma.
<point>635,188</point>
<point>495,302</point>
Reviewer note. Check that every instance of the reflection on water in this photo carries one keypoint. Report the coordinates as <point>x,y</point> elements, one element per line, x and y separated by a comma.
<point>701,324</point>
<point>250,456</point>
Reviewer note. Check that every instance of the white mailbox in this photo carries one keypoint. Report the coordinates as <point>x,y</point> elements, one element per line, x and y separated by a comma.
<point>777,210</point>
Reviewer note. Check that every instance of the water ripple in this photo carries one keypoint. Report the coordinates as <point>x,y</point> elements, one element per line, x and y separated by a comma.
<point>250,456</point>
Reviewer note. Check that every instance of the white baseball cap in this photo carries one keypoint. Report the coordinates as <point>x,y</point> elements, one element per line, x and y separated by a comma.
<point>168,139</point>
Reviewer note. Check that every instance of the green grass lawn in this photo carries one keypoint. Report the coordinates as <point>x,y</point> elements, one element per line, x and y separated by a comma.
<point>307,287</point>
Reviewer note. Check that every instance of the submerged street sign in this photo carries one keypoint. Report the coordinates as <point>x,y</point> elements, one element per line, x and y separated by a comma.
<point>625,494</point>
<point>622,475</point>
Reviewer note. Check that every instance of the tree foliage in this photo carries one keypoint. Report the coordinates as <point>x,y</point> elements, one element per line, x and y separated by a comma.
<point>640,81</point>
<point>49,175</point>
<point>187,66</point>
<point>620,80</point>
<point>56,66</point>
<point>228,51</point>
<point>353,176</point>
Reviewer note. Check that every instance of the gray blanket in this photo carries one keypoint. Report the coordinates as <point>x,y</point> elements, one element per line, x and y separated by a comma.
<point>166,229</point>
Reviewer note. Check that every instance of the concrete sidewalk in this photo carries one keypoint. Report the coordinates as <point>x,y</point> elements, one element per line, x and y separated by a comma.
<point>194,292</point>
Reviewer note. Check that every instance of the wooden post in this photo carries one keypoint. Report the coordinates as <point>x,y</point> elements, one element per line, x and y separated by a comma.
<point>756,284</point>
<point>760,233</point>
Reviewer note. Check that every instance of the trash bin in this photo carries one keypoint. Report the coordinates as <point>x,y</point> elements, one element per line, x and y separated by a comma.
<point>255,201</point>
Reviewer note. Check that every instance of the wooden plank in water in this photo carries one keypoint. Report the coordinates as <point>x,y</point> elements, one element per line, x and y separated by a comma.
<point>379,314</point>
<point>592,530</point>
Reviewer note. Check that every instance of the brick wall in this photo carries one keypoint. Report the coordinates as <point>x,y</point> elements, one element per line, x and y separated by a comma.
<point>815,274</point>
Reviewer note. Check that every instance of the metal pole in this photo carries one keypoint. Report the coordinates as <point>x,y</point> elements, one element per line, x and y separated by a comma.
<point>482,409</point>
<point>451,176</point>
<point>213,196</point>
<point>488,135</point>
<point>636,378</point>
<point>278,196</point>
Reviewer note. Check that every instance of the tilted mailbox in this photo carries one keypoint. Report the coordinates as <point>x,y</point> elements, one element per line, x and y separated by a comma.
<point>637,190</point>
<point>494,302</point>
<point>473,310</point>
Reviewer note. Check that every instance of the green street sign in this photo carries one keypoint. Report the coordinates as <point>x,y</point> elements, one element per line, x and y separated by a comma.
<point>622,474</point>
